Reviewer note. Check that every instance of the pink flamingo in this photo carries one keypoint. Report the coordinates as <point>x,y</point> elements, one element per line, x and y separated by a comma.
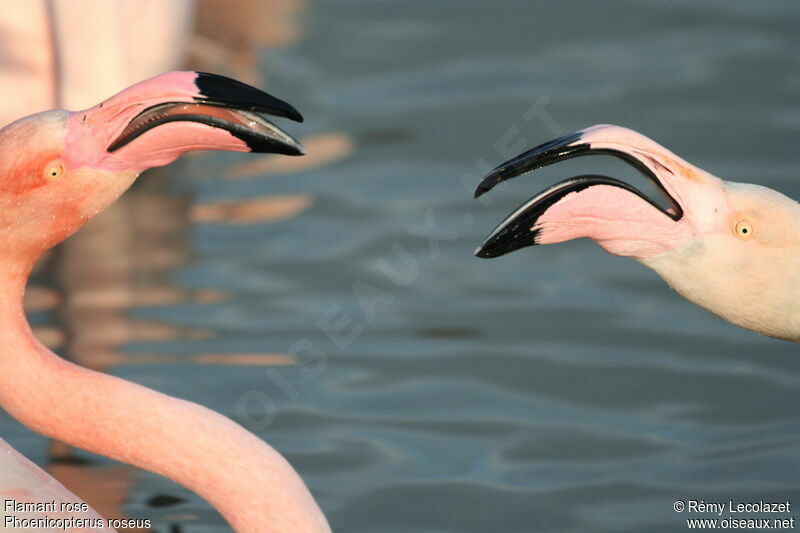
<point>59,169</point>
<point>731,248</point>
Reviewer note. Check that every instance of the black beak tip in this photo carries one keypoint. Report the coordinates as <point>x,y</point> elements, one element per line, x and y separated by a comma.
<point>227,91</point>
<point>507,241</point>
<point>292,150</point>
<point>270,146</point>
<point>291,113</point>
<point>483,253</point>
<point>288,111</point>
<point>496,246</point>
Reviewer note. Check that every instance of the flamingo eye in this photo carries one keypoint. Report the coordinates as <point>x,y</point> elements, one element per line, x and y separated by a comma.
<point>54,170</point>
<point>744,230</point>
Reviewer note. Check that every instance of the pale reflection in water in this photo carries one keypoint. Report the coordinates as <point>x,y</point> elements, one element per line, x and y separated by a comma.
<point>260,209</point>
<point>228,35</point>
<point>322,149</point>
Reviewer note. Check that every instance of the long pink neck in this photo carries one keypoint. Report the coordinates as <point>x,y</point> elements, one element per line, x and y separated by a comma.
<point>247,481</point>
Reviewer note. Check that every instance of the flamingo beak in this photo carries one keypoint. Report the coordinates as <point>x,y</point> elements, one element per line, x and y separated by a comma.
<point>225,104</point>
<point>523,228</point>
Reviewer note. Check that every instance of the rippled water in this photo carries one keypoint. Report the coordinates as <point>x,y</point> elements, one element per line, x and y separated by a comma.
<point>555,389</point>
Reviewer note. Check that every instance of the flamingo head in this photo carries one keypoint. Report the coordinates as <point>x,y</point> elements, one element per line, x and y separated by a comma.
<point>731,248</point>
<point>58,168</point>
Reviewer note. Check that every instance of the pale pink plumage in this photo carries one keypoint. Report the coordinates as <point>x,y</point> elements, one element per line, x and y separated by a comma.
<point>56,172</point>
<point>731,248</point>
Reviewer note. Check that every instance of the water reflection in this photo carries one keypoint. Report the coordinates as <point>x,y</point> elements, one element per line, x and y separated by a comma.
<point>323,149</point>
<point>229,35</point>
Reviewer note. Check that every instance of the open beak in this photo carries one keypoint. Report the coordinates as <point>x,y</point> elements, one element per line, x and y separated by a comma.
<point>222,103</point>
<point>522,228</point>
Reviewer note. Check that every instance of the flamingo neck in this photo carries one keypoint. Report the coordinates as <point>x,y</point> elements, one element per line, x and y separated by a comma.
<point>246,480</point>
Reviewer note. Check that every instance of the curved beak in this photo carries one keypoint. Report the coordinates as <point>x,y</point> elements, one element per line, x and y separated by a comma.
<point>226,104</point>
<point>155,121</point>
<point>525,225</point>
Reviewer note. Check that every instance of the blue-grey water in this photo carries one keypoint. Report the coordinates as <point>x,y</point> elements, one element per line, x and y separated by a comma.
<point>557,389</point>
